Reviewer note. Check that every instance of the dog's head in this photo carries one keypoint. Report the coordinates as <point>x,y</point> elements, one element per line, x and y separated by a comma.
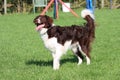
<point>43,21</point>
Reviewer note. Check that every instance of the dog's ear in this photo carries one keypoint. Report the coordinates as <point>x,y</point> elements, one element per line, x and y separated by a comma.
<point>50,20</point>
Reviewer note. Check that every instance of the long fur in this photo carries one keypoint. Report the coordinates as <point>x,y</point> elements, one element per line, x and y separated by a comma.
<point>59,39</point>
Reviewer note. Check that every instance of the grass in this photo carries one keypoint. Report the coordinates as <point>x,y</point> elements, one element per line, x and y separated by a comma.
<point>23,57</point>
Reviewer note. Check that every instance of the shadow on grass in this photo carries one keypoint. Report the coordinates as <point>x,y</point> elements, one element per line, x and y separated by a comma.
<point>72,59</point>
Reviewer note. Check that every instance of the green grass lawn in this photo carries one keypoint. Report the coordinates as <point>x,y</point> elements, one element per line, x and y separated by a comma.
<point>24,57</point>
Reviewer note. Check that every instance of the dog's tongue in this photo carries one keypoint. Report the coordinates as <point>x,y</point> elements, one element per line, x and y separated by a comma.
<point>40,26</point>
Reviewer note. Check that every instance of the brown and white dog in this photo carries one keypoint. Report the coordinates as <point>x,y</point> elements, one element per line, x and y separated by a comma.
<point>59,39</point>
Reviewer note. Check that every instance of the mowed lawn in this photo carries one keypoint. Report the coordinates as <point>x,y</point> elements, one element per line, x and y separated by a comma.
<point>24,57</point>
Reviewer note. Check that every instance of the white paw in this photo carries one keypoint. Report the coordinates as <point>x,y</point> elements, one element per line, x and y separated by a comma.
<point>88,60</point>
<point>88,63</point>
<point>79,61</point>
<point>56,67</point>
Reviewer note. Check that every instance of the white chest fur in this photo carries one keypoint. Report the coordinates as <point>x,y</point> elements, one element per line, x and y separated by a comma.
<point>51,43</point>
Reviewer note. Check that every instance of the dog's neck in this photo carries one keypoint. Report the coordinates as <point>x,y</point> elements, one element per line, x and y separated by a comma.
<point>44,30</point>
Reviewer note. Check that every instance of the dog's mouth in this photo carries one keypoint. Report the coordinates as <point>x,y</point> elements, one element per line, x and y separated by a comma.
<point>39,26</point>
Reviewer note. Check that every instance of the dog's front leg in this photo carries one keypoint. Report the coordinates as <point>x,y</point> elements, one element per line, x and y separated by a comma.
<point>56,63</point>
<point>56,60</point>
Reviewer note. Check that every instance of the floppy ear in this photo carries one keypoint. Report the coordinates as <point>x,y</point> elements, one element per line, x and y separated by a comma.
<point>50,20</point>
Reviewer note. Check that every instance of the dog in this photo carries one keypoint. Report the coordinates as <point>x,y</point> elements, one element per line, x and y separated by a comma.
<point>59,39</point>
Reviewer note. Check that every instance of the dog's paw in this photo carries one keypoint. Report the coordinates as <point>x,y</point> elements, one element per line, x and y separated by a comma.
<point>88,60</point>
<point>79,61</point>
<point>56,66</point>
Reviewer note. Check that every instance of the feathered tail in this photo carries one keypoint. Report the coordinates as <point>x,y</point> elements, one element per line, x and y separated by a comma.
<point>89,30</point>
<point>89,17</point>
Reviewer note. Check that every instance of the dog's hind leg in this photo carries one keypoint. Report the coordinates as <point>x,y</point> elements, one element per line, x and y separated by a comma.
<point>78,54</point>
<point>87,56</point>
<point>88,60</point>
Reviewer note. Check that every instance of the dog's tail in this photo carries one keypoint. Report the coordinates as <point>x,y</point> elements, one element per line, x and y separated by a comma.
<point>87,12</point>
<point>89,29</point>
<point>89,17</point>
